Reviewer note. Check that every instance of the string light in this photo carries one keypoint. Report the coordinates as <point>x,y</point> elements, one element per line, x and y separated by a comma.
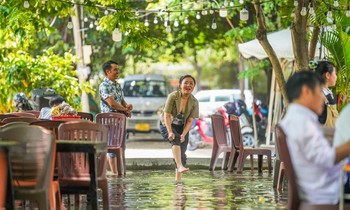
<point>231,4</point>
<point>146,22</point>
<point>334,26</point>
<point>213,23</point>
<point>204,12</point>
<point>244,14</point>
<point>223,12</point>
<point>186,21</point>
<point>168,27</point>
<point>198,16</point>
<point>312,11</point>
<point>116,35</point>
<point>176,23</point>
<point>155,21</point>
<point>211,11</point>
<point>303,11</point>
<point>296,3</point>
<point>106,12</point>
<point>70,24</point>
<point>241,1</point>
<point>336,3</point>
<point>26,4</point>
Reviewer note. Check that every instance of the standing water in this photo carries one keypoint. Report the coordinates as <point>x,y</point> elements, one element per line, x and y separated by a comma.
<point>199,189</point>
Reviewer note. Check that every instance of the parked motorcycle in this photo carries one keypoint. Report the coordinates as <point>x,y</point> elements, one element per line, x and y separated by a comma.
<point>200,134</point>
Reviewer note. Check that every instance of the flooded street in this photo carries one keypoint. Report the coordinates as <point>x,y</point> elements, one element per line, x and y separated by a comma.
<point>199,189</point>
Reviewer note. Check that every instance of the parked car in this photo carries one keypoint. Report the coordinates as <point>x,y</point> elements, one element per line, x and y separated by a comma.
<point>147,93</point>
<point>210,100</point>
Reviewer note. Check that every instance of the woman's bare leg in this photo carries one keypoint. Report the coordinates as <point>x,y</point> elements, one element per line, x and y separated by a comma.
<point>177,156</point>
<point>178,175</point>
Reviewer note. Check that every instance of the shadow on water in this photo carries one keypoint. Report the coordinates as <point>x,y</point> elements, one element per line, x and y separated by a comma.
<point>199,189</point>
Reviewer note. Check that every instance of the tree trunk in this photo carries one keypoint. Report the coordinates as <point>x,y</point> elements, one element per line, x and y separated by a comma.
<point>261,36</point>
<point>300,43</point>
<point>313,42</point>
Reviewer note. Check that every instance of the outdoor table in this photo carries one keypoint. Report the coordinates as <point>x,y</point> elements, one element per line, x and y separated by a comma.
<point>90,147</point>
<point>10,198</point>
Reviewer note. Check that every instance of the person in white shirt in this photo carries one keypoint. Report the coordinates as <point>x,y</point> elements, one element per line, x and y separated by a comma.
<point>315,161</point>
<point>45,112</point>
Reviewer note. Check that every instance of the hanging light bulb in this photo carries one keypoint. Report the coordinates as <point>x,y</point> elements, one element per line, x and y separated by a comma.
<point>348,11</point>
<point>155,21</point>
<point>311,10</point>
<point>86,19</point>
<point>204,12</point>
<point>98,28</point>
<point>168,27</point>
<point>329,13</point>
<point>96,22</point>
<point>176,23</point>
<point>116,35</point>
<point>211,11</point>
<point>244,14</point>
<point>26,4</point>
<point>166,22</point>
<point>223,12</point>
<point>213,23</point>
<point>303,11</point>
<point>334,26</point>
<point>292,15</point>
<point>296,3</point>
<point>231,4</point>
<point>336,3</point>
<point>198,16</point>
<point>43,1</point>
<point>70,24</point>
<point>241,1</point>
<point>146,22</point>
<point>106,12</point>
<point>225,3</point>
<point>186,21</point>
<point>91,25</point>
<point>137,12</point>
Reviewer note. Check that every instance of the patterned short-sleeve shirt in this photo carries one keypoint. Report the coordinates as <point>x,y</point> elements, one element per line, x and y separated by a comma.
<point>112,89</point>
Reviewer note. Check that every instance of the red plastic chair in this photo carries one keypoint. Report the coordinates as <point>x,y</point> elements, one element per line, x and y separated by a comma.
<point>73,168</point>
<point>35,112</point>
<point>220,142</point>
<point>240,152</point>
<point>116,136</point>
<point>32,172</point>
<point>20,119</point>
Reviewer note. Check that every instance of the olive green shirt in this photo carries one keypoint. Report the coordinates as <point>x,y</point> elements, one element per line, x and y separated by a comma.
<point>172,106</point>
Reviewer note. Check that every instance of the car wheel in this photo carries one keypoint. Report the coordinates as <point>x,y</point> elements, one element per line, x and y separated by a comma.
<point>248,140</point>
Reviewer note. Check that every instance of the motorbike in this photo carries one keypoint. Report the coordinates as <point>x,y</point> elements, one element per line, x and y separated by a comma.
<point>200,134</point>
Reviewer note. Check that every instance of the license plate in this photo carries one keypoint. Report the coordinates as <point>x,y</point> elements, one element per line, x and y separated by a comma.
<point>142,127</point>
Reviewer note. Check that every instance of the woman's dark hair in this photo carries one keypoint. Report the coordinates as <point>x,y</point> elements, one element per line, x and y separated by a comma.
<point>296,82</point>
<point>323,67</point>
<point>108,65</point>
<point>186,76</point>
<point>56,100</point>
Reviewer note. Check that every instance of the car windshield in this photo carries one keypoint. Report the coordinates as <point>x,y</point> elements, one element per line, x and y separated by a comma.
<point>144,88</point>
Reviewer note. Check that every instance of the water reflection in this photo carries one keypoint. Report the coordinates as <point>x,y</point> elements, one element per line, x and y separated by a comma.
<point>199,189</point>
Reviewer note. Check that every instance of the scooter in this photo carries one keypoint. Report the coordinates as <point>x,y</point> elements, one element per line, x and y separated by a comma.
<point>200,134</point>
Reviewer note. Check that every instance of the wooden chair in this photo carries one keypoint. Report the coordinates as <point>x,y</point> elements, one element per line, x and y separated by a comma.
<point>116,123</point>
<point>35,112</point>
<point>86,116</point>
<point>20,119</point>
<point>3,116</point>
<point>294,201</point>
<point>240,152</point>
<point>219,142</point>
<point>73,168</point>
<point>32,172</point>
<point>23,114</point>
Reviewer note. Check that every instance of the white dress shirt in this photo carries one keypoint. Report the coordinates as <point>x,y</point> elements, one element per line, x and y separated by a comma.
<point>342,128</point>
<point>312,156</point>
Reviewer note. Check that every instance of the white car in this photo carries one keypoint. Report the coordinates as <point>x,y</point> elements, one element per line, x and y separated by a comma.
<point>211,100</point>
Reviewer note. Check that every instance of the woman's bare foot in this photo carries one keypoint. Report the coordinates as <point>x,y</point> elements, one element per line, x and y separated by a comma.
<point>182,169</point>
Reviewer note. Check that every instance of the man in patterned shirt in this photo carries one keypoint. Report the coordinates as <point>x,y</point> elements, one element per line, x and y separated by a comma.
<point>112,99</point>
